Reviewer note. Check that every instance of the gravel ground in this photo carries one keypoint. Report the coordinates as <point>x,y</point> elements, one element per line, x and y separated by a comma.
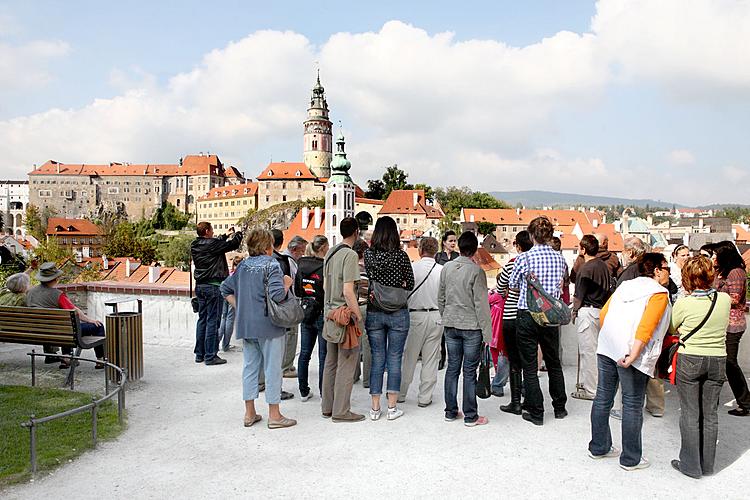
<point>185,438</point>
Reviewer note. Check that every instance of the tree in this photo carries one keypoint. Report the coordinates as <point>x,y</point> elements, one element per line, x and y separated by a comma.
<point>176,252</point>
<point>375,189</point>
<point>50,251</point>
<point>34,222</point>
<point>394,179</point>
<point>168,217</point>
<point>123,242</point>
<point>485,227</point>
<point>452,199</point>
<point>429,193</point>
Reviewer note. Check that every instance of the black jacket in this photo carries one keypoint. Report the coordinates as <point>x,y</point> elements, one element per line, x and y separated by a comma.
<point>208,257</point>
<point>283,261</point>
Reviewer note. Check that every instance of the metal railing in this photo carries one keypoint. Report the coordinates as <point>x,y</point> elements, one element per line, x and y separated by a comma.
<point>93,407</point>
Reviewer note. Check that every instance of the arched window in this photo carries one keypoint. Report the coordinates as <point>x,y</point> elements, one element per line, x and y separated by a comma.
<point>334,201</point>
<point>178,202</point>
<point>333,220</point>
<point>315,144</point>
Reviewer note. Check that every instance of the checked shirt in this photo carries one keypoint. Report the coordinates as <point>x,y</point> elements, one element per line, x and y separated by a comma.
<point>547,265</point>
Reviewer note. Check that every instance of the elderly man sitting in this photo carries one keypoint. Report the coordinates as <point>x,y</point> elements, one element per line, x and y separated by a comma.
<point>48,296</point>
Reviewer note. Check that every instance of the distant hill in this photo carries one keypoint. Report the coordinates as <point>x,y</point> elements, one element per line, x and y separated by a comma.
<point>531,199</point>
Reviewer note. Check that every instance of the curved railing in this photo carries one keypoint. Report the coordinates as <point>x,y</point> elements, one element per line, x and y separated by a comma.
<point>93,407</point>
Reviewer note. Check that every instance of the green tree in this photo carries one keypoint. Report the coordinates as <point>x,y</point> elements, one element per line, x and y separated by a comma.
<point>34,222</point>
<point>168,217</point>
<point>485,227</point>
<point>50,251</point>
<point>375,189</point>
<point>394,179</point>
<point>429,193</point>
<point>123,242</point>
<point>176,252</point>
<point>453,198</point>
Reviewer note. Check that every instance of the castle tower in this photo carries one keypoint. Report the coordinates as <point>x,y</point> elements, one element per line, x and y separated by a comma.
<point>339,193</point>
<point>318,137</point>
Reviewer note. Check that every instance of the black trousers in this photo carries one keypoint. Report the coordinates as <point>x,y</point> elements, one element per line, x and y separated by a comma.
<point>511,345</point>
<point>530,336</point>
<point>735,377</point>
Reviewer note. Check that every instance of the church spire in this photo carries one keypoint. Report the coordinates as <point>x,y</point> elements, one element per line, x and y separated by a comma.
<point>317,133</point>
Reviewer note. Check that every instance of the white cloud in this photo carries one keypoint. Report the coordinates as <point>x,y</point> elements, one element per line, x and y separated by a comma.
<point>734,174</point>
<point>681,157</point>
<point>25,66</point>
<point>476,112</point>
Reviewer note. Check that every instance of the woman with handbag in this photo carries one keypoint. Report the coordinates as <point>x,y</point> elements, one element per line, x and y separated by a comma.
<point>731,278</point>
<point>701,318</point>
<point>390,278</point>
<point>250,290</point>
<point>633,323</point>
<point>463,304</point>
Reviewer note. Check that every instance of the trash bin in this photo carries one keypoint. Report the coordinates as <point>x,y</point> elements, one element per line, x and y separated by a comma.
<point>124,331</point>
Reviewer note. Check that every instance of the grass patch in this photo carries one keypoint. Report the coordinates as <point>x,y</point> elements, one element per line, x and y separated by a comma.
<point>57,441</point>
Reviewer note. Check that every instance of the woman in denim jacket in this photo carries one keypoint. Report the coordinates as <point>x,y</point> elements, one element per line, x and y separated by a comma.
<point>263,342</point>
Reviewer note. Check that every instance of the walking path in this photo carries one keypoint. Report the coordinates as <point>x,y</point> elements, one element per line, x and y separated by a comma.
<point>185,439</point>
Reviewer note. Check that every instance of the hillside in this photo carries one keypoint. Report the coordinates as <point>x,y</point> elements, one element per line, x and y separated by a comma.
<point>531,199</point>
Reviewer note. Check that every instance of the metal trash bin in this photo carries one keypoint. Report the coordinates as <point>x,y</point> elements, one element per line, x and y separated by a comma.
<point>124,330</point>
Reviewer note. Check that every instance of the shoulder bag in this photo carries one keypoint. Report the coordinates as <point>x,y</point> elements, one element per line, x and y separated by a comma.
<point>665,365</point>
<point>543,307</point>
<point>288,313</point>
<point>484,382</point>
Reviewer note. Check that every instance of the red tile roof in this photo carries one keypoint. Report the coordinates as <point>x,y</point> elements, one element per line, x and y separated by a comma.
<point>283,170</point>
<point>484,259</point>
<point>233,172</point>
<point>402,202</point>
<point>514,217</point>
<point>309,231</point>
<point>58,226</point>
<point>191,165</point>
<point>742,234</point>
<point>369,201</point>
<point>746,258</point>
<point>232,191</point>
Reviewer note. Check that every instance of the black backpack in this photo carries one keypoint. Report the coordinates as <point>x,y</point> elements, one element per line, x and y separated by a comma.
<point>308,286</point>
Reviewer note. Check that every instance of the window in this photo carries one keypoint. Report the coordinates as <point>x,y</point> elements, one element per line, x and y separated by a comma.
<point>315,144</point>
<point>283,198</point>
<point>283,185</point>
<point>415,221</point>
<point>113,190</point>
<point>45,193</point>
<point>299,185</point>
<point>333,203</point>
<point>268,198</point>
<point>333,220</point>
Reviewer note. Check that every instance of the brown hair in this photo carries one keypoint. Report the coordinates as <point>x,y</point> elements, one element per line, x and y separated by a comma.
<point>698,273</point>
<point>258,242</point>
<point>541,230</point>
<point>428,246</point>
<point>203,228</point>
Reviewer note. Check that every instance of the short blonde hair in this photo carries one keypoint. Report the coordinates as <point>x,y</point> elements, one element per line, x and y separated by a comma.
<point>698,273</point>
<point>259,241</point>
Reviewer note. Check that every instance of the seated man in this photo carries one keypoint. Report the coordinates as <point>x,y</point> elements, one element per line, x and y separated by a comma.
<point>46,295</point>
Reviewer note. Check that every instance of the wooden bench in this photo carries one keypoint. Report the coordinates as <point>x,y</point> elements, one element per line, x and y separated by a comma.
<point>38,326</point>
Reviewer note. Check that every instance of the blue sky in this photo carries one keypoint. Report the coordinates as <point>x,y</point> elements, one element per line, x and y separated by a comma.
<point>616,98</point>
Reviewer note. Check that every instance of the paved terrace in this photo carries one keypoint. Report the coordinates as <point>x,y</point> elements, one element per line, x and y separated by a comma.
<point>185,439</point>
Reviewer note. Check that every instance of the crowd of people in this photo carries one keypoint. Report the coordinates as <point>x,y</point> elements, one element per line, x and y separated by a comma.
<point>375,315</point>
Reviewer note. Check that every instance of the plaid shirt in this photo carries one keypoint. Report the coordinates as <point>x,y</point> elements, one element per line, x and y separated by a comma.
<point>546,264</point>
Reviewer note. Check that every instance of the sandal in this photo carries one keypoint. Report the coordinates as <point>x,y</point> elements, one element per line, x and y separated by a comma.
<point>249,423</point>
<point>280,424</point>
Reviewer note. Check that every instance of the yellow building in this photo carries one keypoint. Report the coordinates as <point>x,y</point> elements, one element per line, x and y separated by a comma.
<point>224,206</point>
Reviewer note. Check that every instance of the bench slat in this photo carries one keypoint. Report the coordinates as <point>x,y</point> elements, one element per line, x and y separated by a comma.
<point>35,325</point>
<point>34,311</point>
<point>39,340</point>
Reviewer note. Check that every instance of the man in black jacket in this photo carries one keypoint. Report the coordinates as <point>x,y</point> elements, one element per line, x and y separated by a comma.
<point>211,269</point>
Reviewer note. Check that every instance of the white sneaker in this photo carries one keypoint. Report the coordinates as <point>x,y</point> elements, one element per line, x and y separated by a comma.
<point>643,464</point>
<point>306,398</point>
<point>613,452</point>
<point>394,413</point>
<point>375,414</point>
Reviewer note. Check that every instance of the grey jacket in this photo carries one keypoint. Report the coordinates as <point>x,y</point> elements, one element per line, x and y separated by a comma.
<point>462,297</point>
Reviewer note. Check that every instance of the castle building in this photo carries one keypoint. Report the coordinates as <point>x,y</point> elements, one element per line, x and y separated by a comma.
<point>340,191</point>
<point>14,197</point>
<point>317,136</point>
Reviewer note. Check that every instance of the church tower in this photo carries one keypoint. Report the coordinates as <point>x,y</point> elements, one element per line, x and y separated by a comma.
<point>318,137</point>
<point>339,193</point>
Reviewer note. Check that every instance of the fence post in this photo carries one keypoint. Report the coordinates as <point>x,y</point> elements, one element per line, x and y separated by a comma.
<point>93,420</point>
<point>32,431</point>
<point>106,379</point>
<point>33,367</point>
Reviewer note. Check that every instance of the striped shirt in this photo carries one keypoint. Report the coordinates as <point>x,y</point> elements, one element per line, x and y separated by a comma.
<point>546,264</point>
<point>510,311</point>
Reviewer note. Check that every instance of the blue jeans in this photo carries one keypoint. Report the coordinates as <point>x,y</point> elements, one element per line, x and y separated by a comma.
<point>226,327</point>
<point>92,330</point>
<point>209,308</point>
<point>501,375</point>
<point>633,384</point>
<point>266,355</point>
<point>309,333</point>
<point>387,336</point>
<point>464,349</point>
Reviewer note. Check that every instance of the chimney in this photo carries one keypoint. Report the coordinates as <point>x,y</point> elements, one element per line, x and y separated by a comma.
<point>700,223</point>
<point>127,268</point>
<point>650,220</point>
<point>317,217</point>
<point>518,211</point>
<point>58,167</point>
<point>153,274</point>
<point>105,262</point>
<point>415,197</point>
<point>596,223</point>
<point>305,217</point>
<point>471,218</point>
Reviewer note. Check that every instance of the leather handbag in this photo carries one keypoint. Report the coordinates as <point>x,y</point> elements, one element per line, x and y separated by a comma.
<point>288,313</point>
<point>667,362</point>
<point>484,382</point>
<point>388,299</point>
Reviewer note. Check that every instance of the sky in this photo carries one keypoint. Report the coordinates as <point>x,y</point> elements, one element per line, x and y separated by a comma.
<point>630,98</point>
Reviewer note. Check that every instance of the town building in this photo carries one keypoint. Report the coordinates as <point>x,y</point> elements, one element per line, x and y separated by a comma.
<point>307,224</point>
<point>367,210</point>
<point>84,238</point>
<point>339,193</point>
<point>281,182</point>
<point>224,206</point>
<point>138,190</point>
<point>14,198</point>
<point>412,212</point>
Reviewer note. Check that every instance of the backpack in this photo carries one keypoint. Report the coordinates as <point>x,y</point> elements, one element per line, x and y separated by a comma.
<point>308,286</point>
<point>544,308</point>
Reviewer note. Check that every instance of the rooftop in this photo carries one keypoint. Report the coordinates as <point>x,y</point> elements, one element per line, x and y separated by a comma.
<point>58,226</point>
<point>409,201</point>
<point>191,165</point>
<point>286,171</point>
<point>232,191</point>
